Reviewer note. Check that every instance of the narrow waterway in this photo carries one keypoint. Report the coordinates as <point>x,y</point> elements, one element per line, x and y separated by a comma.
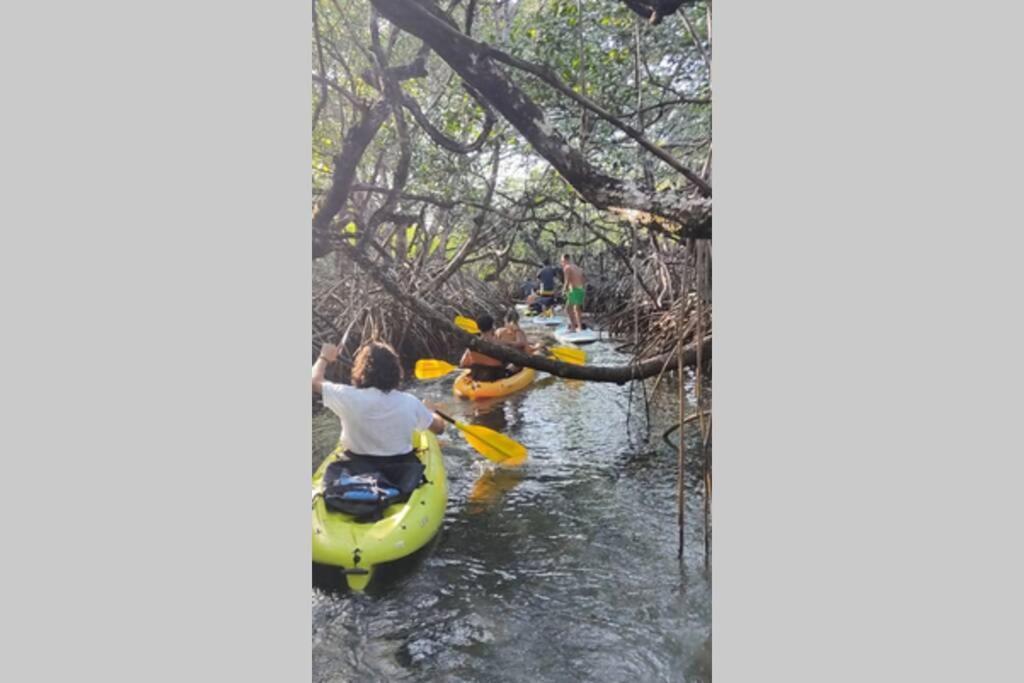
<point>562,570</point>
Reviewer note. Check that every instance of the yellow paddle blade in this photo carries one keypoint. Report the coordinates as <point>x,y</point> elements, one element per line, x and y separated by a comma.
<point>567,355</point>
<point>429,368</point>
<point>468,324</point>
<point>493,445</point>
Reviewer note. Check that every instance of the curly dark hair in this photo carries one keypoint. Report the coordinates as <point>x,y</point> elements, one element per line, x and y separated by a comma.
<point>376,365</point>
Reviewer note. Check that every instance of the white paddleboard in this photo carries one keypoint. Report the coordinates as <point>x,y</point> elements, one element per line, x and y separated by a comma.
<point>563,335</point>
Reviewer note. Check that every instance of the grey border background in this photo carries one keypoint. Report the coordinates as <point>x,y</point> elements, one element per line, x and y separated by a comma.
<point>156,280</point>
<point>867,355</point>
<point>867,342</point>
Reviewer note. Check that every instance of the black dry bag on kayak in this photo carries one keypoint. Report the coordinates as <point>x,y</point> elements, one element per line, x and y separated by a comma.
<point>351,489</point>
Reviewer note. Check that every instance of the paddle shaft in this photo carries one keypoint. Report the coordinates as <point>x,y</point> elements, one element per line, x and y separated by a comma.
<point>489,443</point>
<point>446,418</point>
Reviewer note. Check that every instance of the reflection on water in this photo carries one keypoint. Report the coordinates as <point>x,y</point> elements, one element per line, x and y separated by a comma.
<point>490,413</point>
<point>491,485</point>
<point>561,570</point>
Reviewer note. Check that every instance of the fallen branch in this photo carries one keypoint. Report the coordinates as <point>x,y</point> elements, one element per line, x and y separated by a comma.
<point>618,374</point>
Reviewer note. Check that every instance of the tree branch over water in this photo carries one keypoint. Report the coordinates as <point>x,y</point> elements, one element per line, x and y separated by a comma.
<point>618,374</point>
<point>474,62</point>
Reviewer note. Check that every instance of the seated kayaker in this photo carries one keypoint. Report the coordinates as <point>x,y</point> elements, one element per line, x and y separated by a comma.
<point>542,303</point>
<point>533,303</point>
<point>513,335</point>
<point>482,367</point>
<point>377,420</point>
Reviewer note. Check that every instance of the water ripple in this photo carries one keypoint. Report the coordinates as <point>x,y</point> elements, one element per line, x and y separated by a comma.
<point>562,570</point>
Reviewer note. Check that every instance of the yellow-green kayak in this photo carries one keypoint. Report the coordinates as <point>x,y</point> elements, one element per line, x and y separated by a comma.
<point>357,547</point>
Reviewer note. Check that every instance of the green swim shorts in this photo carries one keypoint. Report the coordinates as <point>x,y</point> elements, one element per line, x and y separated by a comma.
<point>575,296</point>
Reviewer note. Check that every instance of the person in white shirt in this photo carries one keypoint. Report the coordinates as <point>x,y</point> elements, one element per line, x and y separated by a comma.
<point>377,420</point>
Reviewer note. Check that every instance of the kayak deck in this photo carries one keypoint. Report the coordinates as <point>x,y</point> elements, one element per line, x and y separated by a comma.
<point>357,547</point>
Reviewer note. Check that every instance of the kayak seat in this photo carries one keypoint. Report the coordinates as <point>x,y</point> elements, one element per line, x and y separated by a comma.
<point>365,486</point>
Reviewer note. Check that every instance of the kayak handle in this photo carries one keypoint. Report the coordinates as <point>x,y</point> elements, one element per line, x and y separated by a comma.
<point>354,571</point>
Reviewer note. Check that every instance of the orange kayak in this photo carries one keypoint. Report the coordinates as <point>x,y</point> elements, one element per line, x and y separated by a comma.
<point>467,388</point>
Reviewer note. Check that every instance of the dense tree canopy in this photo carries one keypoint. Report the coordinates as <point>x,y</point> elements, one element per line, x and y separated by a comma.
<point>411,125</point>
<point>479,137</point>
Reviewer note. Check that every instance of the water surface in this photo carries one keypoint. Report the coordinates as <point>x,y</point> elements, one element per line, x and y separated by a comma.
<point>562,570</point>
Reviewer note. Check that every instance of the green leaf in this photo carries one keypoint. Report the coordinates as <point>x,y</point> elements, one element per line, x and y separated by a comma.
<point>352,230</point>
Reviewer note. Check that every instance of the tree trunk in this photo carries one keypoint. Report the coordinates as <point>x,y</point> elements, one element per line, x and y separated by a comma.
<point>353,147</point>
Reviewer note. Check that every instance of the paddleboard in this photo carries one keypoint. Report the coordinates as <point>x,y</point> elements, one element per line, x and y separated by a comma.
<point>563,335</point>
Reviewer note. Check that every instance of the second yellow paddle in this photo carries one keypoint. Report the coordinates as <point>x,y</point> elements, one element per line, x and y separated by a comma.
<point>468,324</point>
<point>431,368</point>
<point>568,355</point>
<point>562,353</point>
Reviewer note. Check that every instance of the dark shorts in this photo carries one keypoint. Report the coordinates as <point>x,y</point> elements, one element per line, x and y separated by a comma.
<point>359,463</point>
<point>487,373</point>
<point>542,304</point>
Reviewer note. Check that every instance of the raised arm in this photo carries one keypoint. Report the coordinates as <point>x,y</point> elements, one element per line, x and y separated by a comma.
<point>328,354</point>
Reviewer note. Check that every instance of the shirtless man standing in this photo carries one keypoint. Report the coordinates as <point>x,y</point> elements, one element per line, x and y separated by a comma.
<point>574,290</point>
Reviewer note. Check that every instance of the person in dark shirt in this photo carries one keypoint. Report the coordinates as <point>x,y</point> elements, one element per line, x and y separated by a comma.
<point>547,276</point>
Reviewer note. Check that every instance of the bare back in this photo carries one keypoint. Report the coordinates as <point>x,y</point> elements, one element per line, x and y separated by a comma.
<point>513,336</point>
<point>573,275</point>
